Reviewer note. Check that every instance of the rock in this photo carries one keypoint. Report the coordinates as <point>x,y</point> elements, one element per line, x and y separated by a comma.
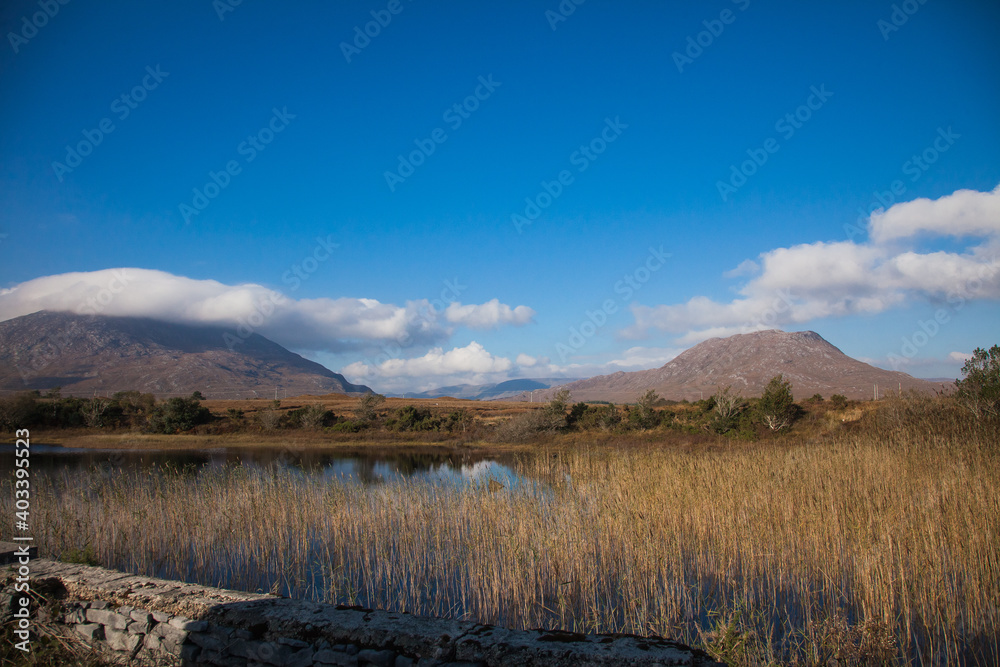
<point>377,658</point>
<point>90,630</point>
<point>108,618</point>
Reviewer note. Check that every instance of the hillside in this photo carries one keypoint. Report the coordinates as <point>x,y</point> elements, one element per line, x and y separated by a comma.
<point>84,355</point>
<point>747,362</point>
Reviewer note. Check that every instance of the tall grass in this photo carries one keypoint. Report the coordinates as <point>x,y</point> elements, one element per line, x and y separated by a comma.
<point>869,548</point>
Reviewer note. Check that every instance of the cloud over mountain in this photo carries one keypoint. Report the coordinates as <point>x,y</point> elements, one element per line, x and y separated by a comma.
<point>840,278</point>
<point>317,324</point>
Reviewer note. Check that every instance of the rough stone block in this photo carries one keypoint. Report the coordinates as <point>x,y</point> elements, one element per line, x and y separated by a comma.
<point>187,624</point>
<point>122,641</point>
<point>140,627</point>
<point>140,615</point>
<point>97,604</point>
<point>153,643</point>
<point>108,618</point>
<point>161,616</point>
<point>207,641</point>
<point>377,658</point>
<point>90,630</point>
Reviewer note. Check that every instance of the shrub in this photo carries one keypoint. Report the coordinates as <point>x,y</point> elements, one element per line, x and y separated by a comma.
<point>604,417</point>
<point>644,416</point>
<point>348,426</point>
<point>979,389</point>
<point>839,401</point>
<point>17,411</point>
<point>776,408</point>
<point>412,418</point>
<point>268,419</point>
<point>527,425</point>
<point>368,407</point>
<point>178,414</point>
<point>312,417</point>
<point>727,405</point>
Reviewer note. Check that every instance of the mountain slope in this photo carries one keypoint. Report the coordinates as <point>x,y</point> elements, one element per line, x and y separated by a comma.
<point>747,362</point>
<point>102,354</point>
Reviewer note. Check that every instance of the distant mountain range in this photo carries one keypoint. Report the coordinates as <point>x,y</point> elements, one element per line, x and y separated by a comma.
<point>86,355</point>
<point>491,392</point>
<point>747,362</point>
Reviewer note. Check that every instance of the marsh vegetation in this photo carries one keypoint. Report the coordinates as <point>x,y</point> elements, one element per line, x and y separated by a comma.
<point>870,544</point>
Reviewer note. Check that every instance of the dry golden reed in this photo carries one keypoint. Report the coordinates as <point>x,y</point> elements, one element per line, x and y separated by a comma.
<point>866,549</point>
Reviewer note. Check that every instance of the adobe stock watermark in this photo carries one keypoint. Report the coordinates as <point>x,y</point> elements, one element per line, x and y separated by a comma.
<point>915,168</point>
<point>563,11</point>
<point>595,320</point>
<point>31,25</point>
<point>296,274</point>
<point>898,17</point>
<point>581,158</point>
<point>248,149</point>
<point>927,329</point>
<point>223,7</point>
<point>696,44</point>
<point>381,18</point>
<point>122,107</point>
<point>394,350</point>
<point>58,341</point>
<point>786,126</point>
<point>454,116</point>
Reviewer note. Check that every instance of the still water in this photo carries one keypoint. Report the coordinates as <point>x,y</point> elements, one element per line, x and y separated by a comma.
<point>452,469</point>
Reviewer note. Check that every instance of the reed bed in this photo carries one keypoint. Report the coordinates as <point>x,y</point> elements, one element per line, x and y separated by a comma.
<point>876,548</point>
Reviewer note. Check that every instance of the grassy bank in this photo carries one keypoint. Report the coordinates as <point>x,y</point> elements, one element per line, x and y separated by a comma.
<point>877,545</point>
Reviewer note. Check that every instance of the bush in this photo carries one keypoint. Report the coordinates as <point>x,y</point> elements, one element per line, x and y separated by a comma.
<point>644,416</point>
<point>348,426</point>
<point>527,425</point>
<point>979,389</point>
<point>368,407</point>
<point>776,408</point>
<point>411,418</point>
<point>727,405</point>
<point>839,401</point>
<point>18,411</point>
<point>312,417</point>
<point>604,417</point>
<point>178,414</point>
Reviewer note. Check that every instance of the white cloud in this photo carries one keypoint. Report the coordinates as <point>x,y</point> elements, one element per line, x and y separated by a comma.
<point>960,357</point>
<point>834,279</point>
<point>747,267</point>
<point>526,360</point>
<point>962,213</point>
<point>471,364</point>
<point>489,315</point>
<point>320,324</point>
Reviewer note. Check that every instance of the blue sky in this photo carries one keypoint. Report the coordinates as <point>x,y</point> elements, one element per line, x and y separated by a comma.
<point>722,156</point>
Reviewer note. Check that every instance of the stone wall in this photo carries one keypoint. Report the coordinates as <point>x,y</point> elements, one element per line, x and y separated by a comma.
<point>169,622</point>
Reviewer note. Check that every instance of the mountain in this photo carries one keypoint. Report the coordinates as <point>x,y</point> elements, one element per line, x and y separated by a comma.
<point>747,362</point>
<point>491,392</point>
<point>88,354</point>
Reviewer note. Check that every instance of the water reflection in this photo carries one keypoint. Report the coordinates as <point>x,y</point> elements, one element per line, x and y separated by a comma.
<point>454,469</point>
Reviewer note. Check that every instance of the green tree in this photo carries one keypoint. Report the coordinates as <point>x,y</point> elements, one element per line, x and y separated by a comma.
<point>776,408</point>
<point>644,416</point>
<point>979,389</point>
